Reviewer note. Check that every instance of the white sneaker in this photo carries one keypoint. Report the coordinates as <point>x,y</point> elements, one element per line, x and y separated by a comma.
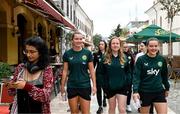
<point>128,108</point>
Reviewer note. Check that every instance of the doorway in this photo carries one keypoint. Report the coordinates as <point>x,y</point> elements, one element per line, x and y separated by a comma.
<point>21,23</point>
<point>40,30</point>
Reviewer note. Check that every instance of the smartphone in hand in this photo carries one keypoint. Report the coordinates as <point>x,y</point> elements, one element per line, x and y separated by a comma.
<point>10,84</point>
<point>6,81</point>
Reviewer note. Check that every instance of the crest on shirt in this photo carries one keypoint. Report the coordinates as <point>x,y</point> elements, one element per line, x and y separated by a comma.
<point>84,57</point>
<point>160,64</point>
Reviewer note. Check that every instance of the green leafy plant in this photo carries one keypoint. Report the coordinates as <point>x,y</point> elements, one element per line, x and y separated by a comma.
<point>96,39</point>
<point>5,70</point>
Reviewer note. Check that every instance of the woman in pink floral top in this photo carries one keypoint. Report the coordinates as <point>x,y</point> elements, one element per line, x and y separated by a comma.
<point>33,80</point>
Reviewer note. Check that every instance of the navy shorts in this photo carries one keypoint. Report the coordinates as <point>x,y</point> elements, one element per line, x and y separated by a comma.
<point>122,91</point>
<point>84,93</point>
<point>148,98</point>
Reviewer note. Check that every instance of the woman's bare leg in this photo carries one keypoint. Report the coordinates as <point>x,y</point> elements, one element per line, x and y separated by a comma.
<point>73,104</point>
<point>112,105</point>
<point>161,108</point>
<point>85,105</point>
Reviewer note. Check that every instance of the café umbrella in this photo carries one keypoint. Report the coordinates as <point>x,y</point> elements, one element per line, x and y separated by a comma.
<point>132,39</point>
<point>156,32</point>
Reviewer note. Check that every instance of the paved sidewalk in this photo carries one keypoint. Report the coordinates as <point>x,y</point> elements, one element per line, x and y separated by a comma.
<point>58,106</point>
<point>174,97</point>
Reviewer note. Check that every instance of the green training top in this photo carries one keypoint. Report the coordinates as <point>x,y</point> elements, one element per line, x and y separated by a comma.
<point>116,74</point>
<point>150,74</point>
<point>78,68</point>
<point>98,60</point>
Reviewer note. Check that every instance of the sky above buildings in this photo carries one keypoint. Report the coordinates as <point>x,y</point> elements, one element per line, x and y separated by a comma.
<point>107,14</point>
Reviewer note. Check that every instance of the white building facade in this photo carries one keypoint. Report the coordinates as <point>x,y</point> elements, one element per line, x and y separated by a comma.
<point>159,17</point>
<point>85,25</point>
<point>77,16</point>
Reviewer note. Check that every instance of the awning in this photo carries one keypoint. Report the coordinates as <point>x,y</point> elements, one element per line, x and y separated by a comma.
<point>46,8</point>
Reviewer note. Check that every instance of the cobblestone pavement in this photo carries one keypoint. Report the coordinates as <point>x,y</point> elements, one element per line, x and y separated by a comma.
<point>58,106</point>
<point>174,97</point>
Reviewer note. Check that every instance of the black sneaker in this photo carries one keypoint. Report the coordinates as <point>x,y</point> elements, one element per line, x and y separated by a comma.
<point>100,110</point>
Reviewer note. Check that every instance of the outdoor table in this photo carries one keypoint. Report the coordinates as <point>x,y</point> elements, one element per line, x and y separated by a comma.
<point>175,74</point>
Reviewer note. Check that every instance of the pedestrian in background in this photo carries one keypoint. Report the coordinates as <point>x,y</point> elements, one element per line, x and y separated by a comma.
<point>98,59</point>
<point>115,69</point>
<point>150,81</point>
<point>142,50</point>
<point>33,80</point>
<point>129,55</point>
<point>77,62</point>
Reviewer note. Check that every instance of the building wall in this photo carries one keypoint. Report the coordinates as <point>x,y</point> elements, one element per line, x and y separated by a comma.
<point>77,16</point>
<point>84,23</point>
<point>9,47</point>
<point>7,51</point>
<point>81,18</point>
<point>3,32</point>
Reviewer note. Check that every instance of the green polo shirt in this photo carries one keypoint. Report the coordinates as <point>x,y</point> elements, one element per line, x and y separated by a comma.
<point>78,68</point>
<point>116,74</point>
<point>150,74</point>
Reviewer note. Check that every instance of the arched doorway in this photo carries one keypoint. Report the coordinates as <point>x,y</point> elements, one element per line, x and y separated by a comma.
<point>21,23</point>
<point>3,34</point>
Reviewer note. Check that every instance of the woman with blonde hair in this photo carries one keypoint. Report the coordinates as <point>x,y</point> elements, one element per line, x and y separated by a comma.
<point>115,69</point>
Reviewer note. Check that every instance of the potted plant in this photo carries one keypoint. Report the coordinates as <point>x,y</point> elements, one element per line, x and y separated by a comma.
<point>5,71</point>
